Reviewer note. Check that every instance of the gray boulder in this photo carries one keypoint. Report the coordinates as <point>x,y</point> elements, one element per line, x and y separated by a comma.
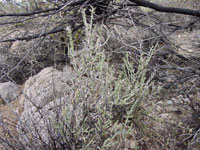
<point>45,87</point>
<point>8,92</point>
<point>45,96</point>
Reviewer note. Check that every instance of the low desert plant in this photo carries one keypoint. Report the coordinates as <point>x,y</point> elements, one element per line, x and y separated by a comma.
<point>110,103</point>
<point>106,106</point>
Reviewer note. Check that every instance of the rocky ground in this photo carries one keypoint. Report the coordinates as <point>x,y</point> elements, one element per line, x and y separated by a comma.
<point>173,122</point>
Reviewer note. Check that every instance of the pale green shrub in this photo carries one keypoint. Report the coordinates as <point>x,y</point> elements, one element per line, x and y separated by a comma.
<point>109,102</point>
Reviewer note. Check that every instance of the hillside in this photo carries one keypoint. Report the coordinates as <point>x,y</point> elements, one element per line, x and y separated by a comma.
<point>94,75</point>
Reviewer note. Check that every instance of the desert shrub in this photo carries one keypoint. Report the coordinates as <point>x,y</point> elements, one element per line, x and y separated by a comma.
<point>111,104</point>
<point>107,106</point>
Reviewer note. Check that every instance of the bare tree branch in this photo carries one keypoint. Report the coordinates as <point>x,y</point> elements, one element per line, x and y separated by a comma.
<point>29,13</point>
<point>27,38</point>
<point>160,8</point>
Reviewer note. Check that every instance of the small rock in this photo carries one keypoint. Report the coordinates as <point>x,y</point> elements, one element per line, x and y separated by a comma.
<point>169,102</point>
<point>8,91</point>
<point>159,103</point>
<point>158,108</point>
<point>131,144</point>
<point>192,96</point>
<point>165,115</point>
<point>173,99</point>
<point>187,100</point>
<point>180,97</point>
<point>2,60</point>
